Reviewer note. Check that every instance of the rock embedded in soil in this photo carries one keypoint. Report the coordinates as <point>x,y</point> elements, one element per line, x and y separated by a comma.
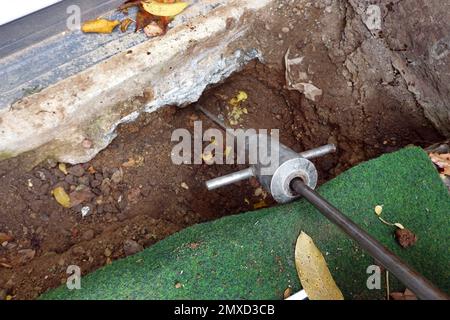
<point>88,235</point>
<point>81,196</point>
<point>5,237</point>
<point>131,247</point>
<point>77,170</point>
<point>26,255</point>
<point>107,252</point>
<point>117,176</point>
<point>78,250</point>
<point>84,180</point>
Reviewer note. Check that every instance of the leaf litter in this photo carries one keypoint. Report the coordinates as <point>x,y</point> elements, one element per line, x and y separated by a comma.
<point>153,17</point>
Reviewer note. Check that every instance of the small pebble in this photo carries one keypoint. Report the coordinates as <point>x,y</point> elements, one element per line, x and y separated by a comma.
<point>131,247</point>
<point>85,211</point>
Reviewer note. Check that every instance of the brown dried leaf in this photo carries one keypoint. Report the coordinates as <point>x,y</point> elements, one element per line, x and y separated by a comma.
<point>407,295</point>
<point>143,19</point>
<point>128,4</point>
<point>406,238</point>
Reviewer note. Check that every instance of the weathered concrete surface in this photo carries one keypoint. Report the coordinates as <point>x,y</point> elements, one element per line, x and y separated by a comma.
<point>74,119</point>
<point>398,59</point>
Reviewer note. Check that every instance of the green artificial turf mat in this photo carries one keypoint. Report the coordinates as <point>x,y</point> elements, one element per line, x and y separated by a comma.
<point>251,256</point>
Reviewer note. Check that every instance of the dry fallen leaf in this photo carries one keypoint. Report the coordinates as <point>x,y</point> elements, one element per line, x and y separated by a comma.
<point>312,269</point>
<point>287,293</point>
<point>134,162</point>
<point>164,9</point>
<point>406,238</point>
<point>442,161</point>
<point>228,150</point>
<point>240,97</point>
<point>407,295</point>
<point>235,108</point>
<point>153,29</point>
<point>151,24</point>
<point>62,167</point>
<point>260,204</point>
<point>178,285</point>
<point>61,197</point>
<point>143,18</point>
<point>208,157</point>
<point>125,23</point>
<point>99,26</point>
<point>378,210</point>
<point>91,170</point>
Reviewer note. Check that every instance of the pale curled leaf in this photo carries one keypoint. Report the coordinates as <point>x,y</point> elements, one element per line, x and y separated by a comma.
<point>399,225</point>
<point>313,272</point>
<point>164,9</point>
<point>62,167</point>
<point>378,210</point>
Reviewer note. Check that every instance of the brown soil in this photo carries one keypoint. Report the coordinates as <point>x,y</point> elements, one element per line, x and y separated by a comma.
<point>151,201</point>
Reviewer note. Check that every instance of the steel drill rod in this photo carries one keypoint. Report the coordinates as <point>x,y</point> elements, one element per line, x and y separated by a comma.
<point>408,276</point>
<point>229,179</point>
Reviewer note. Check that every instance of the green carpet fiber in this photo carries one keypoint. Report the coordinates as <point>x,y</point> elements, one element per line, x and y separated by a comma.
<point>251,256</point>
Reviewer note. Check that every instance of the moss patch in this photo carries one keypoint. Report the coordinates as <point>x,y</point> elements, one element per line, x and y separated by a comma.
<point>251,256</point>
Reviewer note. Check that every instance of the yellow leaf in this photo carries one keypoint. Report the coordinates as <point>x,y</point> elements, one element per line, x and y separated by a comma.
<point>164,9</point>
<point>207,157</point>
<point>312,269</point>
<point>62,167</point>
<point>378,210</point>
<point>260,204</point>
<point>241,96</point>
<point>228,150</point>
<point>61,197</point>
<point>99,26</point>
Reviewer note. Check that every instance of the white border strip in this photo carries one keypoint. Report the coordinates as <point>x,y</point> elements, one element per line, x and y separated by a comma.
<point>12,10</point>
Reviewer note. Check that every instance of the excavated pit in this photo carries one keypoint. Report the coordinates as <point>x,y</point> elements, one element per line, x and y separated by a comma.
<point>136,192</point>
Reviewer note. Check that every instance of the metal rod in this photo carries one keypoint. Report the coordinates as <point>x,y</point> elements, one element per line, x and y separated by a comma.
<point>229,179</point>
<point>318,152</point>
<point>248,173</point>
<point>212,117</point>
<point>408,276</point>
